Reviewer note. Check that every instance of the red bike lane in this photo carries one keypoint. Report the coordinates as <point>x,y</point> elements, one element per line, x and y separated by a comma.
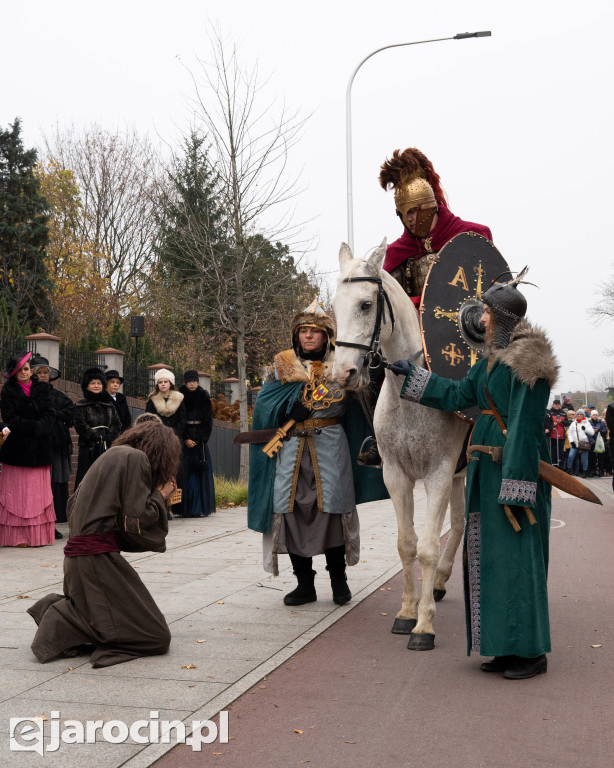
<point>355,696</point>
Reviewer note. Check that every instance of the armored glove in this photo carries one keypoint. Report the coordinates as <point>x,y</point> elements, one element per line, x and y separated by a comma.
<point>401,367</point>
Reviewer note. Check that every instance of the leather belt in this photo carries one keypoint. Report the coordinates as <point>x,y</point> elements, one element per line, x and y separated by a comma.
<point>311,426</point>
<point>484,413</point>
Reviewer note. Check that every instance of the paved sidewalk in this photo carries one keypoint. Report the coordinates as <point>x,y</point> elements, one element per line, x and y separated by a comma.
<point>226,617</point>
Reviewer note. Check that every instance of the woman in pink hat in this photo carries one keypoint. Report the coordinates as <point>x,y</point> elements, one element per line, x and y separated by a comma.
<point>26,504</point>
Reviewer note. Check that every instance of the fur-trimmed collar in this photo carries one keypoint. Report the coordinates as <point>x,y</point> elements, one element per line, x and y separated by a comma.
<point>529,355</point>
<point>167,406</point>
<point>290,367</point>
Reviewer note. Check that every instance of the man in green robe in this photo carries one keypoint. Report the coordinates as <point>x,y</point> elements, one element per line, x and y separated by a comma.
<point>507,505</point>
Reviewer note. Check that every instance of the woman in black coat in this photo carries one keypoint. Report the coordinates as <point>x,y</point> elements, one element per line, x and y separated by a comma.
<point>96,420</point>
<point>114,382</point>
<point>26,504</point>
<point>199,490</point>
<point>61,441</point>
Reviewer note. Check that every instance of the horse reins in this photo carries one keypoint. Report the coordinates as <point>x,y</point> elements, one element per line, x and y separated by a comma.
<point>373,357</point>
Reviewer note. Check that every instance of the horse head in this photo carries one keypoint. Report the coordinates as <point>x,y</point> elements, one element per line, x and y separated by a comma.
<point>356,308</point>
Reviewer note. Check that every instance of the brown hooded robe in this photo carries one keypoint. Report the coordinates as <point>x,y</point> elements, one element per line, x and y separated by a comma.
<point>105,603</point>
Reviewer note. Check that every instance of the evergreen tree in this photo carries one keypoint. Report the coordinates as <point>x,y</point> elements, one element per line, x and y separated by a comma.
<point>192,219</point>
<point>206,283</point>
<point>23,233</point>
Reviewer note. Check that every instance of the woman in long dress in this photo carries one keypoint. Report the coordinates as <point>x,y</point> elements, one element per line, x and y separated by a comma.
<point>61,441</point>
<point>119,506</point>
<point>199,491</point>
<point>26,503</point>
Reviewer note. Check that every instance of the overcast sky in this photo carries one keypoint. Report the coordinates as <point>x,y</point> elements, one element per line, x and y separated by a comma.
<point>519,125</point>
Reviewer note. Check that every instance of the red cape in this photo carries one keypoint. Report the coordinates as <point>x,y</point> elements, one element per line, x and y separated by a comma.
<point>448,226</point>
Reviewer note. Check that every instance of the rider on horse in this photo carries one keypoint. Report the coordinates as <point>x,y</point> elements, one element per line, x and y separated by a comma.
<point>428,224</point>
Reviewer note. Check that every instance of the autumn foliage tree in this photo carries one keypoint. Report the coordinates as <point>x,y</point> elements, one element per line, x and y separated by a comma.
<point>82,294</point>
<point>118,174</point>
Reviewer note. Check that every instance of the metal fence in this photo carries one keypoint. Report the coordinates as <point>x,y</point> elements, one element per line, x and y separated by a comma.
<point>225,456</point>
<point>10,345</point>
<point>138,381</point>
<point>73,362</point>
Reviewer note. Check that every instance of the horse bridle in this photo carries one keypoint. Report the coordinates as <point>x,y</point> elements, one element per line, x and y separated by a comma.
<point>373,357</point>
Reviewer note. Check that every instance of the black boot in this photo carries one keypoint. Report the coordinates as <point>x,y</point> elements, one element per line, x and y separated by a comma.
<point>339,584</point>
<point>498,664</point>
<point>305,592</point>
<point>335,565</point>
<point>523,669</point>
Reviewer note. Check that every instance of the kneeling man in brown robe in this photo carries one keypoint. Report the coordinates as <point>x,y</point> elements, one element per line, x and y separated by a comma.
<point>119,505</point>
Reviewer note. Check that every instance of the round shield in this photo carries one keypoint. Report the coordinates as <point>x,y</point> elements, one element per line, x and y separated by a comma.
<point>462,271</point>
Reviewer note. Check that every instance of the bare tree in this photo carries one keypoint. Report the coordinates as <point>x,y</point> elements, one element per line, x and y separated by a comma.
<point>238,283</point>
<point>604,381</point>
<point>118,174</point>
<point>604,309</point>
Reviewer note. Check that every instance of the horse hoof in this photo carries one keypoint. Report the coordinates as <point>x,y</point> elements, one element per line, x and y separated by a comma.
<point>439,594</point>
<point>403,626</point>
<point>421,642</point>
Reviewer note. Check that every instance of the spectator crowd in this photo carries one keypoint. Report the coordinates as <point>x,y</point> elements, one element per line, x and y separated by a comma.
<point>36,444</point>
<point>580,441</point>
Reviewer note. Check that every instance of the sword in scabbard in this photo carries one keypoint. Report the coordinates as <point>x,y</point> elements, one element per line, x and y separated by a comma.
<point>546,472</point>
<point>272,437</point>
<point>254,437</point>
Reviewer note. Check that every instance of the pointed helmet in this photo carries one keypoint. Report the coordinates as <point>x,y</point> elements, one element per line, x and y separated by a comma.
<point>508,306</point>
<point>314,317</point>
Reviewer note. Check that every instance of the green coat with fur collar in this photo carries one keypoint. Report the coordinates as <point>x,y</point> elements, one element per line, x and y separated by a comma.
<point>506,595</point>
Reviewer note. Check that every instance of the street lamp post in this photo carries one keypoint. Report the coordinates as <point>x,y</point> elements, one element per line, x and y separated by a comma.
<point>348,116</point>
<point>585,389</point>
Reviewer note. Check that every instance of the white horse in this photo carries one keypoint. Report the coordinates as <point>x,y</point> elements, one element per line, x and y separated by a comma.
<point>414,441</point>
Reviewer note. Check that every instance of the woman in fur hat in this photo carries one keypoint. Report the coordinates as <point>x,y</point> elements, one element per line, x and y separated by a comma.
<point>167,402</point>
<point>198,489</point>
<point>26,503</point>
<point>96,420</point>
<point>507,505</point>
<point>304,498</point>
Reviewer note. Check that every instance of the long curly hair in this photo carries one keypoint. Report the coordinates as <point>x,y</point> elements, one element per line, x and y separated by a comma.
<point>161,446</point>
<point>407,163</point>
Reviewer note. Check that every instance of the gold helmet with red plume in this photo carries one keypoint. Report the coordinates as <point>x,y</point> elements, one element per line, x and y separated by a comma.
<point>416,187</point>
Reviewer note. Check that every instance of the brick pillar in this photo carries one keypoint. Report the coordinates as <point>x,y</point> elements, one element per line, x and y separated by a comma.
<point>231,385</point>
<point>204,379</point>
<point>112,360</point>
<point>47,346</point>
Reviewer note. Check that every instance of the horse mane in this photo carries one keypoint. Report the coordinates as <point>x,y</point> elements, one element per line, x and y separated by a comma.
<point>410,162</point>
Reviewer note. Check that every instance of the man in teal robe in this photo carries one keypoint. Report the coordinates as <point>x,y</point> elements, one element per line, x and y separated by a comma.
<point>507,505</point>
<point>303,499</point>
